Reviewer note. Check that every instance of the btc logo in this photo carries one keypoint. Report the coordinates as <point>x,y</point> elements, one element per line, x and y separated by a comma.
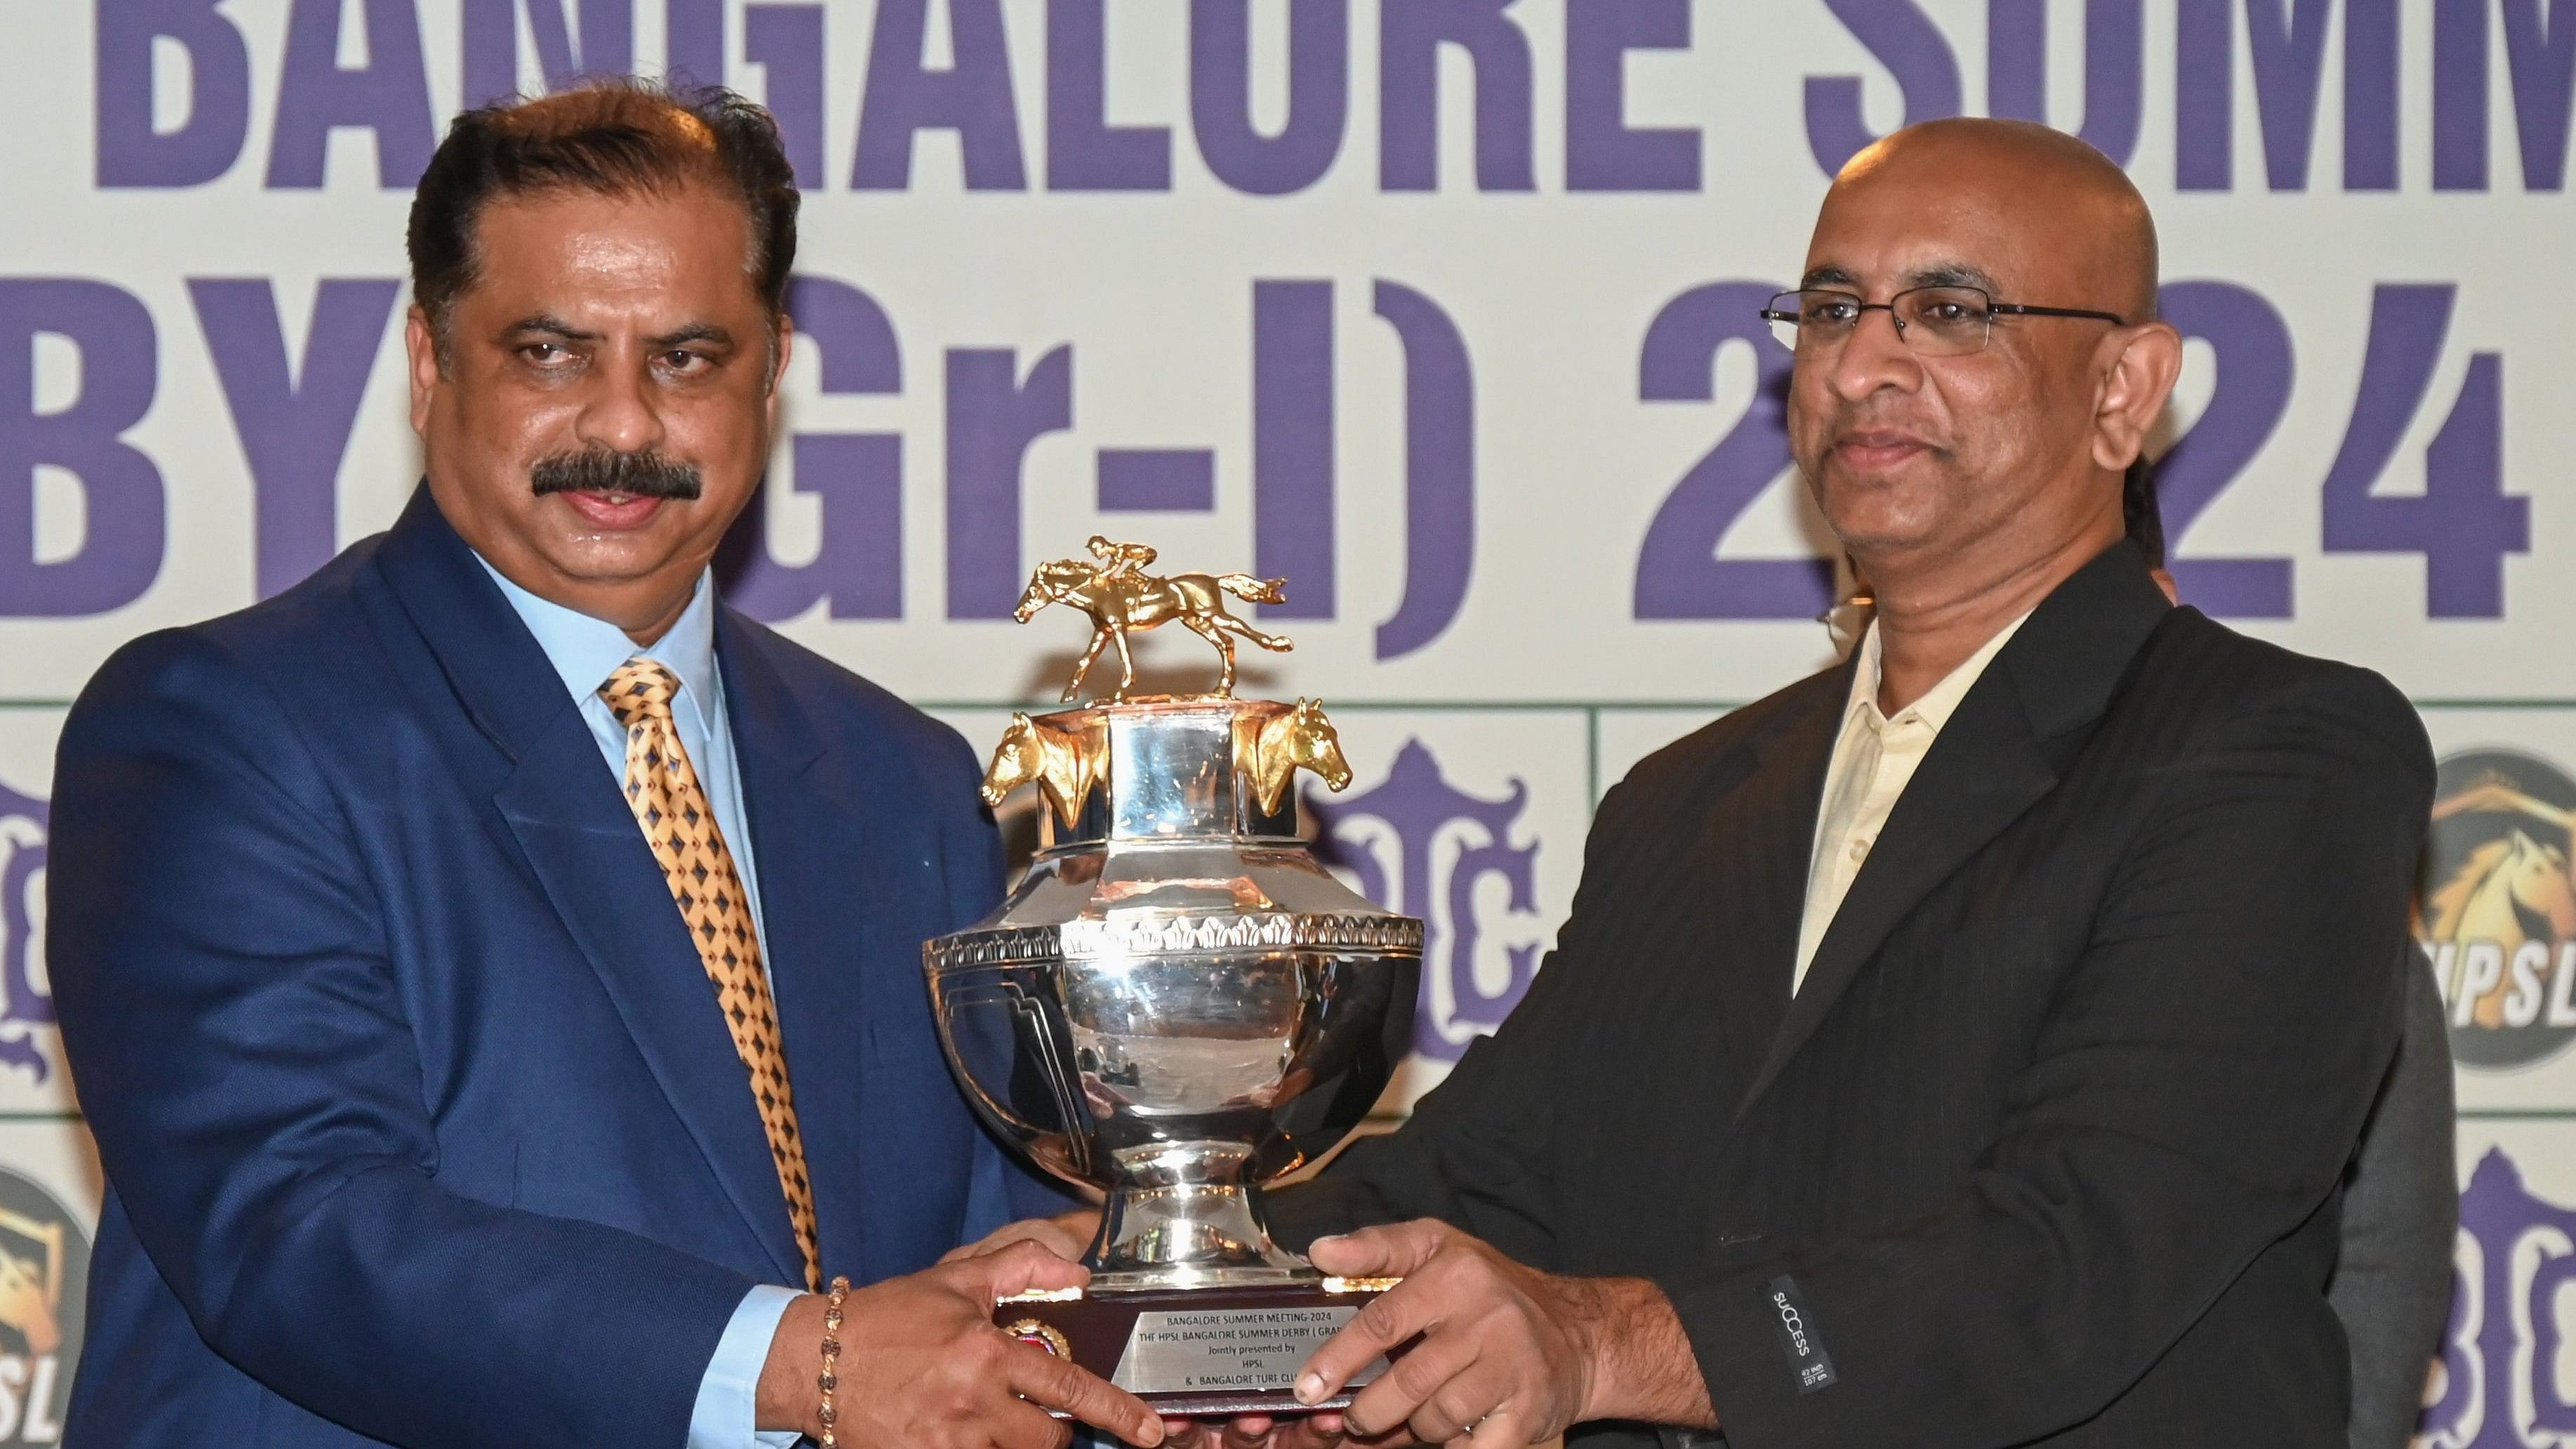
<point>26,996</point>
<point>2504,1380</point>
<point>2498,912</point>
<point>1424,847</point>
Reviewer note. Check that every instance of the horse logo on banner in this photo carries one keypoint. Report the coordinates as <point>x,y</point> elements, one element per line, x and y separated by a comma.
<point>26,997</point>
<point>1422,846</point>
<point>44,1286</point>
<point>2497,911</point>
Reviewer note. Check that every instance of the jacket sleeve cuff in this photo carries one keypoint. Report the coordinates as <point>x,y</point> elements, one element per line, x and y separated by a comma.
<point>1763,1352</point>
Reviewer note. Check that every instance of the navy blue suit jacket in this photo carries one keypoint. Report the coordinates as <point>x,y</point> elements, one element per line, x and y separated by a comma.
<point>419,1120</point>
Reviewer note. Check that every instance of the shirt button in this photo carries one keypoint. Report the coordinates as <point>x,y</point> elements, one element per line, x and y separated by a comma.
<point>1859,849</point>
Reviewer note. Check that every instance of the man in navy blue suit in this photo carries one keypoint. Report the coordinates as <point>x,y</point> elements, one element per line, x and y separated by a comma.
<point>492,967</point>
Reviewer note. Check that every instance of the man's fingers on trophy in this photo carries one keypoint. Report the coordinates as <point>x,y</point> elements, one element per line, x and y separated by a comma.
<point>1023,1266</point>
<point>1402,1396</point>
<point>1502,1429</point>
<point>1042,1378</point>
<point>1215,1434</point>
<point>1065,1236</point>
<point>1251,1431</point>
<point>1261,1431</point>
<point>1470,1397</point>
<point>1026,1426</point>
<point>1399,1437</point>
<point>1308,1431</point>
<point>1380,1325</point>
<point>992,1242</point>
<point>1390,1251</point>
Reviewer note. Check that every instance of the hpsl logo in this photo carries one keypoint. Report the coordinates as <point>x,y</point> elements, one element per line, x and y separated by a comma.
<point>26,996</point>
<point>1422,846</point>
<point>2508,1368</point>
<point>2497,912</point>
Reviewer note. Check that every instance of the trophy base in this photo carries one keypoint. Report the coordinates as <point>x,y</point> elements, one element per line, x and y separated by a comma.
<point>1190,1352</point>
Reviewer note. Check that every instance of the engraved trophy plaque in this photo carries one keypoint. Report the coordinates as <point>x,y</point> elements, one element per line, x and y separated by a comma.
<point>1177,1004</point>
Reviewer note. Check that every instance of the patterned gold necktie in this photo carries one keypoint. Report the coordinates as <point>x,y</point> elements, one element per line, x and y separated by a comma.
<point>663,790</point>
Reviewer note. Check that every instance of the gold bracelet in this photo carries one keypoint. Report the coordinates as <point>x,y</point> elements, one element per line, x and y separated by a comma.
<point>830,1378</point>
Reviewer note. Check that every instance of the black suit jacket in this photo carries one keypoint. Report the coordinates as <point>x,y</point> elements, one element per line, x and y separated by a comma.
<point>2047,1148</point>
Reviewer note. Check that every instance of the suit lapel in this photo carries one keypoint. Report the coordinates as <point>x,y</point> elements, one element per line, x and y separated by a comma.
<point>1699,906</point>
<point>1757,839</point>
<point>1980,774</point>
<point>563,805</point>
<point>811,830</point>
<point>579,836</point>
<point>1998,755</point>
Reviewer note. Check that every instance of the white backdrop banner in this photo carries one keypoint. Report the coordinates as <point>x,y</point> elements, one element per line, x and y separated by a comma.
<point>1444,309</point>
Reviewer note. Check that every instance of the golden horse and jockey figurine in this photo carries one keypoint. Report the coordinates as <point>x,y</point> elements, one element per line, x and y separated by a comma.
<point>1121,597</point>
<point>1067,754</point>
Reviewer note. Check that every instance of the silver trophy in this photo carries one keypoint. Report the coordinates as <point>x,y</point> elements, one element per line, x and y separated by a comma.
<point>1177,1004</point>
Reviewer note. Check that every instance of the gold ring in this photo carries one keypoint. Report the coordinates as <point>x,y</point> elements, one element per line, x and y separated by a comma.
<point>1039,1335</point>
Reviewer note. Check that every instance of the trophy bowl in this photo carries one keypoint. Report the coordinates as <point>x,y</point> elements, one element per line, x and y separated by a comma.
<point>1177,1004</point>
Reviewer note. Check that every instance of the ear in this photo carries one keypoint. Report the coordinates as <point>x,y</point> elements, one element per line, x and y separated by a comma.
<point>778,366</point>
<point>420,352</point>
<point>2143,366</point>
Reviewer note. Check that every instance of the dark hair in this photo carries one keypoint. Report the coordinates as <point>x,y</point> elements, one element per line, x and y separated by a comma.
<point>2139,510</point>
<point>613,135</point>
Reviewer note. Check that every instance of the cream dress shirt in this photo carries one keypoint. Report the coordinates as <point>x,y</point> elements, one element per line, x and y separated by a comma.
<point>1874,758</point>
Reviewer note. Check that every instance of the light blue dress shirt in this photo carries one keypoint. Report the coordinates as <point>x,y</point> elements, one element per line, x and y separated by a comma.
<point>584,652</point>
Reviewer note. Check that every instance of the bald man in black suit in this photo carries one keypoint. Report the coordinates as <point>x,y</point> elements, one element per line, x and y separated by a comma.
<point>1964,1046</point>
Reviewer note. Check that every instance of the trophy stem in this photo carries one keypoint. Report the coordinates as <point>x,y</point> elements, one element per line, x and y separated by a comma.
<point>1186,1215</point>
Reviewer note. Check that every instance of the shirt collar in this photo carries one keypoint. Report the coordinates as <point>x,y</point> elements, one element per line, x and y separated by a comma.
<point>1941,700</point>
<point>586,650</point>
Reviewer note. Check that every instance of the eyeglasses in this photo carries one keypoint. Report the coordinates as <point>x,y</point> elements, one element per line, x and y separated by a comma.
<point>1932,321</point>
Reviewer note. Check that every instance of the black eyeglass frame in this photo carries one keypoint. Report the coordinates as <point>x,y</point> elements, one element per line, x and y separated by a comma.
<point>1773,313</point>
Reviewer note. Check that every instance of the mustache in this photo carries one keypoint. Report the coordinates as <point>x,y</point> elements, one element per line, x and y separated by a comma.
<point>604,470</point>
<point>1842,424</point>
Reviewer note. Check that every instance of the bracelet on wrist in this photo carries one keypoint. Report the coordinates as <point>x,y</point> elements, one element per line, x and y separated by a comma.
<point>829,1379</point>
